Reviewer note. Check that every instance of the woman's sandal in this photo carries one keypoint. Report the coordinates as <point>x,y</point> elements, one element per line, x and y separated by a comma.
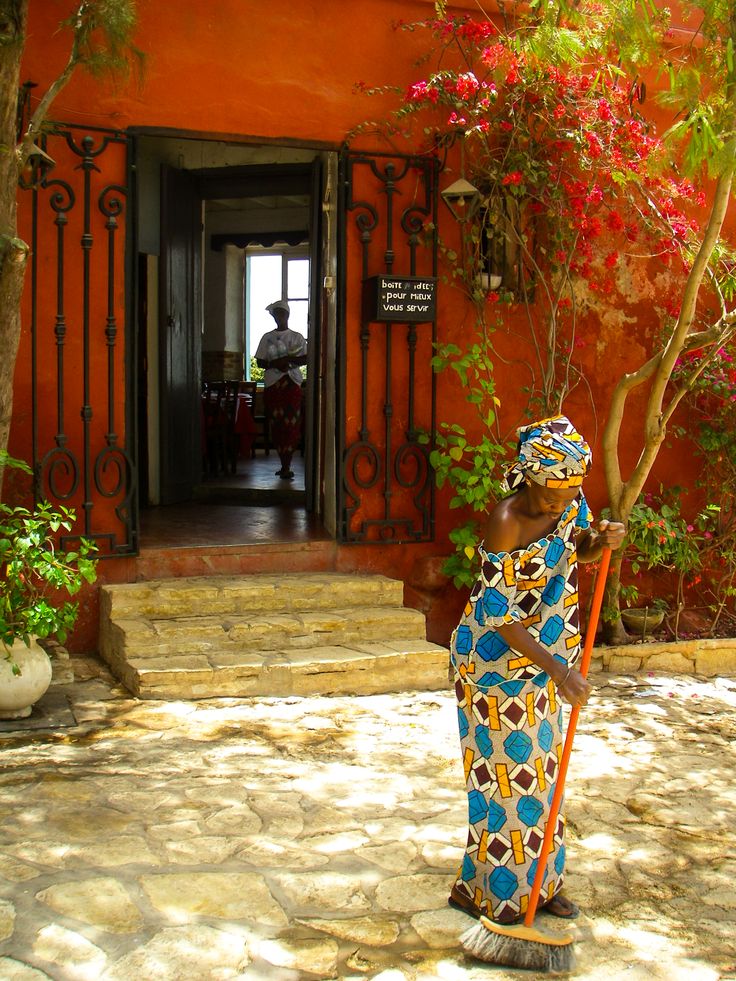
<point>561,907</point>
<point>464,905</point>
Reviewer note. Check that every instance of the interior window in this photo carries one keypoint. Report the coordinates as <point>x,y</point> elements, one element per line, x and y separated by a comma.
<point>272,275</point>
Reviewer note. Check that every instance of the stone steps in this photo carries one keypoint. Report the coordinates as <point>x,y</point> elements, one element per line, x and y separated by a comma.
<point>271,634</point>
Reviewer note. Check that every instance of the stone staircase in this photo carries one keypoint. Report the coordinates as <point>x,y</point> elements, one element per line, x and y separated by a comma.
<point>271,634</point>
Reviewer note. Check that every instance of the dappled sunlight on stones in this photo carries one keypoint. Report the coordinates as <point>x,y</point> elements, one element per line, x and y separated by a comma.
<point>327,820</point>
<point>201,849</point>
<point>443,856</point>
<point>451,965</point>
<point>717,888</point>
<point>226,895</point>
<point>174,831</point>
<point>333,844</point>
<point>602,843</point>
<point>327,891</point>
<point>16,871</point>
<point>690,812</point>
<point>52,788</point>
<point>102,902</point>
<point>13,970</point>
<point>441,927</point>
<point>187,953</point>
<point>7,919</point>
<point>165,716</point>
<point>362,788</point>
<point>585,809</point>
<point>82,959</point>
<point>646,952</point>
<point>282,814</point>
<point>126,850</point>
<point>234,820</point>
<point>394,858</point>
<point>318,957</point>
<point>280,854</point>
<point>88,822</point>
<point>323,823</point>
<point>411,893</point>
<point>370,930</point>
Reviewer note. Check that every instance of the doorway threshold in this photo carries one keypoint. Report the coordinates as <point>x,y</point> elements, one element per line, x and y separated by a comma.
<point>203,524</point>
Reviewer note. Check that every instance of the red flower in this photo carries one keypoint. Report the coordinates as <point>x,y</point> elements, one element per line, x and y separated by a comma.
<point>595,147</point>
<point>492,55</point>
<point>466,85</point>
<point>515,177</point>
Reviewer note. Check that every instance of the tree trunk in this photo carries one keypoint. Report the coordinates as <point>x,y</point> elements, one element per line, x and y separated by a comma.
<point>614,631</point>
<point>13,252</point>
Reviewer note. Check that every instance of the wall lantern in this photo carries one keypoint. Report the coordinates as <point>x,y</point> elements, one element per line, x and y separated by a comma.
<point>462,198</point>
<point>36,169</point>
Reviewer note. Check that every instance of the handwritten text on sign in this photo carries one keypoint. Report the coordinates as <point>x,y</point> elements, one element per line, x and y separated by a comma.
<point>388,298</point>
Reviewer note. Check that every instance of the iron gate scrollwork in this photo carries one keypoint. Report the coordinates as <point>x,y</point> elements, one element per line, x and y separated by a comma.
<point>80,362</point>
<point>388,225</point>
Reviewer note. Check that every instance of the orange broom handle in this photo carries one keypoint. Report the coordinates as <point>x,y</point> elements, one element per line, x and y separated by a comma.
<point>554,809</point>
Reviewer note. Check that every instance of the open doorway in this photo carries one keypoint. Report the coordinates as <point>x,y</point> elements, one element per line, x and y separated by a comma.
<point>238,227</point>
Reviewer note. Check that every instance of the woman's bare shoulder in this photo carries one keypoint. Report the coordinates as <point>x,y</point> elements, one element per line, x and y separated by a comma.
<point>502,529</point>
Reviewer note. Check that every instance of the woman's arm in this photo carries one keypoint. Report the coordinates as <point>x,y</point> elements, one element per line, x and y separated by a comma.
<point>503,532</point>
<point>590,543</point>
<point>570,683</point>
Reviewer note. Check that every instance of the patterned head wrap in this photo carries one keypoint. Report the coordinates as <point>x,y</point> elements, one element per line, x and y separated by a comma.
<point>552,453</point>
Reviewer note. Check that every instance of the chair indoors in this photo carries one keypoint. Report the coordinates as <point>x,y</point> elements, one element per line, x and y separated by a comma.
<point>258,411</point>
<point>214,423</point>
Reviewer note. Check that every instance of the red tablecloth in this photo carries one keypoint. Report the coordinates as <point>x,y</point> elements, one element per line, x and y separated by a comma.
<point>244,426</point>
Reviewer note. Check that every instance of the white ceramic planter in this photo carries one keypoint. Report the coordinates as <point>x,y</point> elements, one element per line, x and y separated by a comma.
<point>18,693</point>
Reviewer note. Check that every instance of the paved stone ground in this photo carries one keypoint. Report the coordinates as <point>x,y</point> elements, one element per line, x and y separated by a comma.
<point>306,838</point>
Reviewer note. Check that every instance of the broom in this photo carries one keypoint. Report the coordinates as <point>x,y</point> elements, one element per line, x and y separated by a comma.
<point>522,945</point>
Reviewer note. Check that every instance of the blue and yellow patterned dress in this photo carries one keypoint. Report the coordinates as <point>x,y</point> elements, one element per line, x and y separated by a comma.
<point>510,717</point>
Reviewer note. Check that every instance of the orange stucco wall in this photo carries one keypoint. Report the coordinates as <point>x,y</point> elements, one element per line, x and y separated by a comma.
<point>286,71</point>
<point>278,70</point>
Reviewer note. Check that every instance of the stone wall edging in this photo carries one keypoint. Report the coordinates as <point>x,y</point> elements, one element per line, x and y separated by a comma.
<point>708,657</point>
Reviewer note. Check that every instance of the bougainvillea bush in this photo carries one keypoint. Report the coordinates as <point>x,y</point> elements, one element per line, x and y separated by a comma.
<point>579,189</point>
<point>573,179</point>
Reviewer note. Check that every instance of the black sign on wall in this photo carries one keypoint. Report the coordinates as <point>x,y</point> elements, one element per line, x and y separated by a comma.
<point>399,300</point>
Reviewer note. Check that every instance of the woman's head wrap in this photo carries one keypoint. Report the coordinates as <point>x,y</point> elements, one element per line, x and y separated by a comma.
<point>551,453</point>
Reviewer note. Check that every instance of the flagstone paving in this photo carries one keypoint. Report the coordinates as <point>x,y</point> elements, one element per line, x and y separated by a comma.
<point>305,838</point>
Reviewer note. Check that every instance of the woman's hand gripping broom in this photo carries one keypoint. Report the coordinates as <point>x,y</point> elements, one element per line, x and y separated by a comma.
<point>523,945</point>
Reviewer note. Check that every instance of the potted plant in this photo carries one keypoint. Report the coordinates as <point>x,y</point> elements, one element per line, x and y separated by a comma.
<point>659,538</point>
<point>644,620</point>
<point>37,578</point>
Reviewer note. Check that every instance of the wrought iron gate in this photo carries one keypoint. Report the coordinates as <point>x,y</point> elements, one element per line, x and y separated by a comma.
<point>82,424</point>
<point>388,213</point>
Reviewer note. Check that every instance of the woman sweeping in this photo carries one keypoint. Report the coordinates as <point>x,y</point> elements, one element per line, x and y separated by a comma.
<point>281,352</point>
<point>514,654</point>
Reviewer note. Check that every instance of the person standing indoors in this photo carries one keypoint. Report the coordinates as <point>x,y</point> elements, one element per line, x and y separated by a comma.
<point>281,352</point>
<point>514,654</point>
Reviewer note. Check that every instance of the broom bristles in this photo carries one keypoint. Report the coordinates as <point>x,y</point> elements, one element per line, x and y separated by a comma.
<point>519,946</point>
